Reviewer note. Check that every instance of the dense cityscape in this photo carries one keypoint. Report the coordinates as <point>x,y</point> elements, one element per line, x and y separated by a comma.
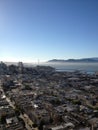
<point>40,98</point>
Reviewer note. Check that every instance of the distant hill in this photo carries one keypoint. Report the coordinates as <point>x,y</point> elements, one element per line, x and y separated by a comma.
<point>76,60</point>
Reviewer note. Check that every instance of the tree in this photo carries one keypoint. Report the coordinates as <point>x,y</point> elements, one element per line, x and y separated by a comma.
<point>3,119</point>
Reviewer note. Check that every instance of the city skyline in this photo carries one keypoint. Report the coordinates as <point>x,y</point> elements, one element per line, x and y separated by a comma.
<point>45,30</point>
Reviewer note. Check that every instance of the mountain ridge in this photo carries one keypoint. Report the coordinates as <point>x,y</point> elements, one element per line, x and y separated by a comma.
<point>95,59</point>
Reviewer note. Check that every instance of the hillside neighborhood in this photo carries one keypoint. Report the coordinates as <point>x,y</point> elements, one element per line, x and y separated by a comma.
<point>40,98</point>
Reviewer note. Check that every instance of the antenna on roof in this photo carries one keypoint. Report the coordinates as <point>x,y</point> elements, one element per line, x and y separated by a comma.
<point>38,61</point>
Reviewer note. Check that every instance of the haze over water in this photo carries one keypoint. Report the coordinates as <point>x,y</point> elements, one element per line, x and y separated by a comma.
<point>84,66</point>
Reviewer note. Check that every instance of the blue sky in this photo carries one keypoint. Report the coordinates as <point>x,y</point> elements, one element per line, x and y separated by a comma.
<point>48,29</point>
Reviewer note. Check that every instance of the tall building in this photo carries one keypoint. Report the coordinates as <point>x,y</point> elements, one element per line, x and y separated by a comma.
<point>20,66</point>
